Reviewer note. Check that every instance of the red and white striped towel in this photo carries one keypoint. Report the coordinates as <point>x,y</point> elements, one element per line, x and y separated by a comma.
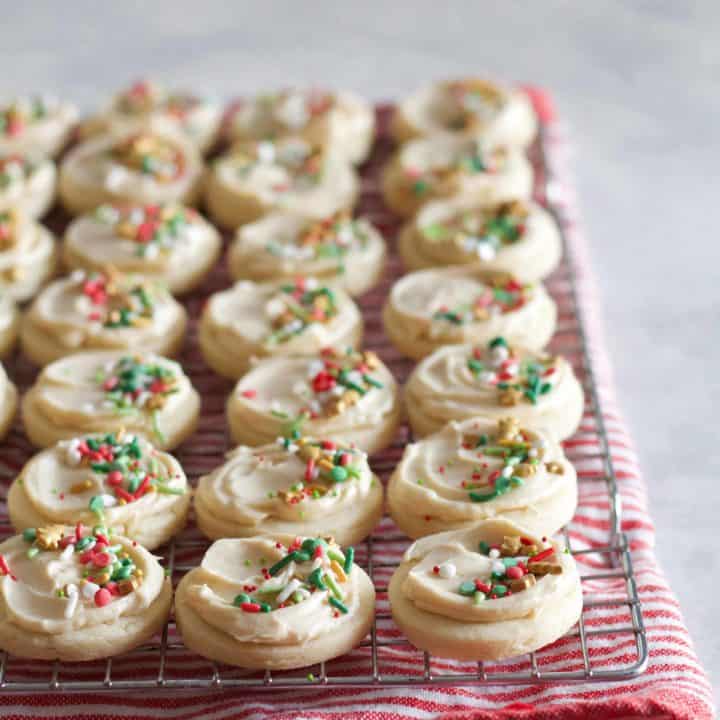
<point>674,685</point>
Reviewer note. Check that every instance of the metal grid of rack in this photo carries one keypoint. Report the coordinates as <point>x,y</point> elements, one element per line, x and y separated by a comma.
<point>385,658</point>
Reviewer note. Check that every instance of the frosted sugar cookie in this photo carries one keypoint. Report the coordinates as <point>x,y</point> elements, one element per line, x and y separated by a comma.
<point>72,593</point>
<point>255,178</point>
<point>28,256</point>
<point>145,101</point>
<point>108,391</point>
<point>275,602</point>
<point>488,592</point>
<point>518,237</point>
<point>8,402</point>
<point>458,382</point>
<point>170,243</point>
<point>26,186</point>
<point>282,245</point>
<point>102,311</point>
<point>340,120</point>
<point>348,395</point>
<point>259,319</point>
<point>296,486</point>
<point>38,125</point>
<point>139,491</point>
<point>478,469</point>
<point>469,106</point>
<point>150,166</point>
<point>444,166</point>
<point>431,308</point>
<point>9,324</point>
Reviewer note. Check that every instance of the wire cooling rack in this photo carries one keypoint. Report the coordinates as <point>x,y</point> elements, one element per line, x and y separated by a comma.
<point>611,615</point>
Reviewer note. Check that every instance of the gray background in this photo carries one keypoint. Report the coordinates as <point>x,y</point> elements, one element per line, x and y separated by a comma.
<point>639,83</point>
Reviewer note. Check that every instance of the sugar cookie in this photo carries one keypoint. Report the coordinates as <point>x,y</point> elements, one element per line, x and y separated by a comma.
<point>102,311</point>
<point>478,469</point>
<point>275,602</point>
<point>151,166</point>
<point>489,592</point>
<point>295,486</point>
<point>140,492</point>
<point>8,402</point>
<point>282,245</point>
<point>256,178</point>
<point>108,391</point>
<point>347,395</point>
<point>461,381</point>
<point>340,120</point>
<point>38,125</point>
<point>9,324</point>
<point>518,237</point>
<point>431,308</point>
<point>467,106</point>
<point>170,243</point>
<point>28,255</point>
<point>444,166</point>
<point>259,319</point>
<point>70,593</point>
<point>26,186</point>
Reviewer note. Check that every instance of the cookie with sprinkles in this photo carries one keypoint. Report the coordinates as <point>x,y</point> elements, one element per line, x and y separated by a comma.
<point>349,395</point>
<point>255,178</point>
<point>168,242</point>
<point>27,185</point>
<point>494,380</point>
<point>488,592</point>
<point>518,237</point>
<point>79,593</point>
<point>445,166</point>
<point>196,117</point>
<point>478,469</point>
<point>117,479</point>
<point>8,402</point>
<point>347,251</point>
<point>256,320</point>
<point>28,255</point>
<point>36,125</point>
<point>108,392</point>
<point>340,120</point>
<point>298,486</point>
<point>102,311</point>
<point>427,309</point>
<point>275,602</point>
<point>152,165</point>
<point>467,106</point>
<point>9,324</point>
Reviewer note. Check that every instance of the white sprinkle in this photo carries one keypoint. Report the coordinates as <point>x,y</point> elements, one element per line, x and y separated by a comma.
<point>311,283</point>
<point>499,354</point>
<point>116,177</point>
<point>315,367</point>
<point>67,553</point>
<point>494,553</point>
<point>288,590</point>
<point>507,471</point>
<point>266,152</point>
<point>72,603</point>
<point>487,377</point>
<point>447,570</point>
<point>73,457</point>
<point>89,589</point>
<point>109,500</point>
<point>485,251</point>
<point>498,567</point>
<point>532,452</point>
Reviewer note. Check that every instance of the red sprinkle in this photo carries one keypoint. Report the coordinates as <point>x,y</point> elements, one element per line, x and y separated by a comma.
<point>249,393</point>
<point>78,531</point>
<point>250,607</point>
<point>102,597</point>
<point>328,445</point>
<point>101,559</point>
<point>112,588</point>
<point>514,573</point>
<point>436,569</point>
<point>319,552</point>
<point>542,555</point>
<point>124,494</point>
<point>102,538</point>
<point>87,556</point>
<point>4,566</point>
<point>526,541</point>
<point>115,477</point>
<point>482,587</point>
<point>144,485</point>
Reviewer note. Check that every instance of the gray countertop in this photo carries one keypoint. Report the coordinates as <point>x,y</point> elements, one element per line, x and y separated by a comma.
<point>638,82</point>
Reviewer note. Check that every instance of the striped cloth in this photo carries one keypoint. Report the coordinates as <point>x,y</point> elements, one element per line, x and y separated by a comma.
<point>673,686</point>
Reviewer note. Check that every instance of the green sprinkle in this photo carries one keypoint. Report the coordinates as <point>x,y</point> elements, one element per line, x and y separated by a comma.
<point>96,504</point>
<point>500,590</point>
<point>497,342</point>
<point>467,588</point>
<point>338,474</point>
<point>338,604</point>
<point>32,552</point>
<point>334,587</point>
<point>81,544</point>
<point>165,490</point>
<point>349,559</point>
<point>478,597</point>
<point>123,573</point>
<point>310,677</point>
<point>29,534</point>
<point>475,365</point>
<point>264,607</point>
<point>372,381</point>
<point>484,548</point>
<point>483,497</point>
<point>315,578</point>
<point>280,564</point>
<point>240,599</point>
